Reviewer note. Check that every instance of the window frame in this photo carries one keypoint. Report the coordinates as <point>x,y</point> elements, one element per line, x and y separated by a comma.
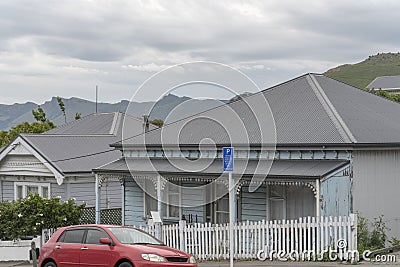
<point>25,186</point>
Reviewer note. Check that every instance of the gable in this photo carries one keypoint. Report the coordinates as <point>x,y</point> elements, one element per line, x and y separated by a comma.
<point>21,159</point>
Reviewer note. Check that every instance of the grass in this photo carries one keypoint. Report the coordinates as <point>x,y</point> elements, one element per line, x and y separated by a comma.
<point>362,73</point>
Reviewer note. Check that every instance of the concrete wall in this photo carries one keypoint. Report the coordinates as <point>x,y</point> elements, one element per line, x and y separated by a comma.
<point>16,251</point>
<point>376,186</point>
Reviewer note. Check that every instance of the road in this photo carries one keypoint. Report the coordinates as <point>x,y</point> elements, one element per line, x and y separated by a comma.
<point>255,264</point>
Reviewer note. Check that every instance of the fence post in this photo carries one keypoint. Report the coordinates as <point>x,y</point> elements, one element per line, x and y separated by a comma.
<point>182,228</point>
<point>354,224</point>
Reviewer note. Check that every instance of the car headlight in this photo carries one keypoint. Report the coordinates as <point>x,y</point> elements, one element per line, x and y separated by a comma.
<point>192,259</point>
<point>153,257</point>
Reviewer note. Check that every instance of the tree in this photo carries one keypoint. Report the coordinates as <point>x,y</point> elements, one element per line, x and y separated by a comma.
<point>78,116</point>
<point>41,125</point>
<point>39,114</point>
<point>62,107</point>
<point>157,122</point>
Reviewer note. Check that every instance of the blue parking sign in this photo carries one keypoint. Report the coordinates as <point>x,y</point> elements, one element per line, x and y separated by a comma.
<point>227,158</point>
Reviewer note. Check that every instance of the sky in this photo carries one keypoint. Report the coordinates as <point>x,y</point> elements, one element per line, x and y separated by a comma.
<point>66,48</point>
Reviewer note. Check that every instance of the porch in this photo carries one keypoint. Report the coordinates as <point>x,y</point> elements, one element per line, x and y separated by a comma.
<point>292,189</point>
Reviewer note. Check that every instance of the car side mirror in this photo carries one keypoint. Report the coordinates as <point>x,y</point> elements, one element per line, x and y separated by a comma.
<point>105,241</point>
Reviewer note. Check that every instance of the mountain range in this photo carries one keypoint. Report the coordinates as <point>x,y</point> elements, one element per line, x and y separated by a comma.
<point>170,108</point>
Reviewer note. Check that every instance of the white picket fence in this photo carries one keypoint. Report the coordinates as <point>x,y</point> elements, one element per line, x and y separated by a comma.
<point>308,237</point>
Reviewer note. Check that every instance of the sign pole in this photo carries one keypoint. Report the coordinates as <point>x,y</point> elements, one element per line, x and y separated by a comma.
<point>228,161</point>
<point>231,218</point>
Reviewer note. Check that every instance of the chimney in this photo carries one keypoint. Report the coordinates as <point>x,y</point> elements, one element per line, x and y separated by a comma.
<point>145,123</point>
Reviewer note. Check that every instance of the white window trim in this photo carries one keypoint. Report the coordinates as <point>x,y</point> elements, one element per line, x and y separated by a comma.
<point>26,184</point>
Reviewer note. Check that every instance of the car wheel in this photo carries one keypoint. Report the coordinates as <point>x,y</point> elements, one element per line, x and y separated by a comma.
<point>50,264</point>
<point>125,264</point>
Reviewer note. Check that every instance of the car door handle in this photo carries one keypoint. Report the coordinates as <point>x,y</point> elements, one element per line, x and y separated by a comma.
<point>57,247</point>
<point>84,248</point>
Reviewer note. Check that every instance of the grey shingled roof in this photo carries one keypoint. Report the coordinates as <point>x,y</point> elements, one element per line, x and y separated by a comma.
<point>83,145</point>
<point>385,82</point>
<point>311,109</point>
<point>279,168</point>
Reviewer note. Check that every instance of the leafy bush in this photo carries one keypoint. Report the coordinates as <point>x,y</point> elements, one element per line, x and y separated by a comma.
<point>28,217</point>
<point>371,240</point>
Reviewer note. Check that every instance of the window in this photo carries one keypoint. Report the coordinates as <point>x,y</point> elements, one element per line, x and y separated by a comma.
<point>170,194</point>
<point>23,189</point>
<point>217,209</point>
<point>74,236</point>
<point>93,236</point>
<point>277,202</point>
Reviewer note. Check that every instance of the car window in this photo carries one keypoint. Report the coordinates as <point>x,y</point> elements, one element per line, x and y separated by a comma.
<point>73,236</point>
<point>93,236</point>
<point>62,236</point>
<point>133,236</point>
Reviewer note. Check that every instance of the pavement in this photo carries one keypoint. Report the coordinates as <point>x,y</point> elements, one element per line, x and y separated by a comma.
<point>258,264</point>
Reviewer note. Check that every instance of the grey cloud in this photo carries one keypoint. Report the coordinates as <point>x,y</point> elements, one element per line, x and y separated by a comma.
<point>287,37</point>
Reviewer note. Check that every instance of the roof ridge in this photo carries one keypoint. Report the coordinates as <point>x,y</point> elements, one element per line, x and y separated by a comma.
<point>115,123</point>
<point>337,120</point>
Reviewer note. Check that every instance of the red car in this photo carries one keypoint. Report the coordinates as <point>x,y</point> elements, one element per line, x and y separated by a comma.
<point>109,245</point>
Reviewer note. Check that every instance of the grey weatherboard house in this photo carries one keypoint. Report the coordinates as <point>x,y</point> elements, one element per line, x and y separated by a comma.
<point>60,161</point>
<point>337,152</point>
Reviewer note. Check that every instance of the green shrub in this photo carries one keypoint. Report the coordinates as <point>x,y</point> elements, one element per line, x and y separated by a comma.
<point>371,239</point>
<point>28,217</point>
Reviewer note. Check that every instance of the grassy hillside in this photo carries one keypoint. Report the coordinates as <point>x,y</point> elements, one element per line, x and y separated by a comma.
<point>361,74</point>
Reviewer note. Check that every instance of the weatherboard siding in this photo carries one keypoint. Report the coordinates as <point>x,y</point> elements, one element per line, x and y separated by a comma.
<point>134,204</point>
<point>193,202</point>
<point>59,191</point>
<point>254,205</point>
<point>335,196</point>
<point>111,194</point>
<point>83,192</point>
<point>376,187</point>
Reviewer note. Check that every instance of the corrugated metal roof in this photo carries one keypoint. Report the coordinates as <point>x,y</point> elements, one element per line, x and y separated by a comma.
<point>279,168</point>
<point>385,82</point>
<point>83,145</point>
<point>311,109</point>
<point>74,153</point>
<point>370,118</point>
<point>97,123</point>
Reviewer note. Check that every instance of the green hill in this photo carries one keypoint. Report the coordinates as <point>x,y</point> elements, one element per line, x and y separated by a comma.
<point>361,74</point>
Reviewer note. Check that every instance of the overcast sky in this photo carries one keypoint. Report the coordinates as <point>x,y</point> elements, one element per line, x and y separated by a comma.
<point>66,48</point>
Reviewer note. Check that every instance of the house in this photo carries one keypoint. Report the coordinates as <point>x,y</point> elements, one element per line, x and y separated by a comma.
<point>334,151</point>
<point>386,83</point>
<point>60,161</point>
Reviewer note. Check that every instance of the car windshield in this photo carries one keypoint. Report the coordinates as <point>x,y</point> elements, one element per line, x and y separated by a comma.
<point>133,236</point>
